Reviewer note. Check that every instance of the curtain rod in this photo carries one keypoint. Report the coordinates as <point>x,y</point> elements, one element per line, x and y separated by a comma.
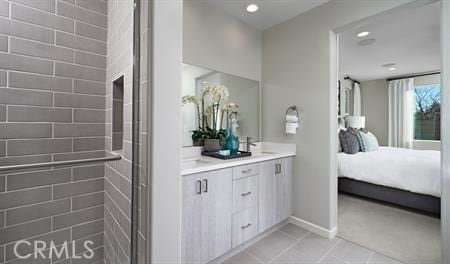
<point>348,78</point>
<point>412,76</point>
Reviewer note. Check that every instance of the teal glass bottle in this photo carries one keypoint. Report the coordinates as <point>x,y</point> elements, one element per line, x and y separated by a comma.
<point>232,141</point>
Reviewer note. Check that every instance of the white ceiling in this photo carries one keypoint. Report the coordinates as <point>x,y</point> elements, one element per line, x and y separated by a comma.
<point>270,12</point>
<point>410,39</point>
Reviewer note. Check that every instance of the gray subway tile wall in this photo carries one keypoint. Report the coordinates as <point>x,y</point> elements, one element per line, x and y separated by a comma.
<point>53,69</point>
<point>118,173</point>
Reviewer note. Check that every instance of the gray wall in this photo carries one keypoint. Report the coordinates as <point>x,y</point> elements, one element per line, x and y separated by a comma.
<point>52,100</point>
<point>118,173</point>
<point>375,107</point>
<point>296,71</point>
<point>214,40</point>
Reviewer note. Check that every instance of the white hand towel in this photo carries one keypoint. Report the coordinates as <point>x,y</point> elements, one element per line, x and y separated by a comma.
<point>291,128</point>
<point>291,119</point>
<point>291,124</point>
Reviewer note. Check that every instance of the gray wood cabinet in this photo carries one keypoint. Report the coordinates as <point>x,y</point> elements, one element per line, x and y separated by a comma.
<point>275,192</point>
<point>224,208</point>
<point>194,220</point>
<point>283,178</point>
<point>206,217</point>
<point>267,215</point>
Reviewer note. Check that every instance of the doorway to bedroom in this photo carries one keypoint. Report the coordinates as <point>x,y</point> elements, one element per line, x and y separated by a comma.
<point>389,116</point>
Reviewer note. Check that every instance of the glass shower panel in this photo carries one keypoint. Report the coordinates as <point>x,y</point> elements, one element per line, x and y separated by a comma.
<point>143,108</point>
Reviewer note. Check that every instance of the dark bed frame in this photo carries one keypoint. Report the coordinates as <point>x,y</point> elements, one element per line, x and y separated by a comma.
<point>421,202</point>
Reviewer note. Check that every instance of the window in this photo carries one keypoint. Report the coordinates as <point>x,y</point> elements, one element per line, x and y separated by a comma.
<point>427,112</point>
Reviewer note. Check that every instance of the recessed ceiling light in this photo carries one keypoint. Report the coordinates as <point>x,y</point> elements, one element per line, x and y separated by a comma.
<point>392,68</point>
<point>363,34</point>
<point>251,8</point>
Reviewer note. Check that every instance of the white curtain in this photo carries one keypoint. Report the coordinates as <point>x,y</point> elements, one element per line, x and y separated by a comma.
<point>356,99</point>
<point>401,120</point>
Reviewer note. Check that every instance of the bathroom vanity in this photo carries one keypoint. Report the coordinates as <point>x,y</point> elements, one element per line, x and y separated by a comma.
<point>226,203</point>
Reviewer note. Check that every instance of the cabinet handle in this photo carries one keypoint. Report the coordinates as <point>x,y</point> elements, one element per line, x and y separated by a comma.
<point>277,168</point>
<point>198,187</point>
<point>246,226</point>
<point>247,171</point>
<point>205,186</point>
<point>246,194</point>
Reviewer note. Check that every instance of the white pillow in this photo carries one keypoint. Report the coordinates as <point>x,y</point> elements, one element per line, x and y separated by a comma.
<point>369,140</point>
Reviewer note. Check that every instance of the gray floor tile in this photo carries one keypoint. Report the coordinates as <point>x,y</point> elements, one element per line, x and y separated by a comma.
<point>331,260</point>
<point>242,258</point>
<point>271,246</point>
<point>294,231</point>
<point>280,248</point>
<point>351,253</point>
<point>293,256</point>
<point>315,247</point>
<point>380,259</point>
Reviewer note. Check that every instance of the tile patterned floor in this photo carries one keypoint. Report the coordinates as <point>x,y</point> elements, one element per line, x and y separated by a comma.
<point>294,245</point>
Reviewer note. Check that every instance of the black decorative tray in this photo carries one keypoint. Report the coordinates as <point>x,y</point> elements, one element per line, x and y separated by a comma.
<point>215,154</point>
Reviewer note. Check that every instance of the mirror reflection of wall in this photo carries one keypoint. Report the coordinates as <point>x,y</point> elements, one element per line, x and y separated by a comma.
<point>243,92</point>
<point>346,98</point>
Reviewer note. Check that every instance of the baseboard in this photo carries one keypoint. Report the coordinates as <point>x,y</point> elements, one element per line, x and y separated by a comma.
<point>313,228</point>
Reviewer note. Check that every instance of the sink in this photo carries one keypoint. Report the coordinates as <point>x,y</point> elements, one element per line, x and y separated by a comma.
<point>194,163</point>
<point>263,153</point>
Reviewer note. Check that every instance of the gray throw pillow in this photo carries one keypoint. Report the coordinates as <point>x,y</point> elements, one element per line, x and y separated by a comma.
<point>349,141</point>
<point>339,141</point>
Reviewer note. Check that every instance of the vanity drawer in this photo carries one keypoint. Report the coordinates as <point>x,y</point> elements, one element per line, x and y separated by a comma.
<point>245,193</point>
<point>245,171</point>
<point>245,226</point>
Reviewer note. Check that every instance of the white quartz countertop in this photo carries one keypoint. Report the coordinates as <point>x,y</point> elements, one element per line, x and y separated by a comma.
<point>193,162</point>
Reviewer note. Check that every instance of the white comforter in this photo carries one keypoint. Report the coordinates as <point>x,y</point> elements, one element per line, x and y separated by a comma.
<point>412,170</point>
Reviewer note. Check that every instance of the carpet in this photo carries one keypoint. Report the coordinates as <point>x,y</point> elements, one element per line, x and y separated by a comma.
<point>403,235</point>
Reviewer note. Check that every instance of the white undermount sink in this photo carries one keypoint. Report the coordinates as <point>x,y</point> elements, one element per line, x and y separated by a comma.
<point>194,163</point>
<point>263,153</point>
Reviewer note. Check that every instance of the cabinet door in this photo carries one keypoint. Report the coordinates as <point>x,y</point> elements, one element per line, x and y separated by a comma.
<point>267,196</point>
<point>219,211</point>
<point>283,175</point>
<point>194,220</point>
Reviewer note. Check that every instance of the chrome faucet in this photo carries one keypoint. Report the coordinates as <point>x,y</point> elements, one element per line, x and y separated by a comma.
<point>249,143</point>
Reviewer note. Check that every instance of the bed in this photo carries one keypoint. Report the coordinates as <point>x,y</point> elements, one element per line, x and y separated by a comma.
<point>405,177</point>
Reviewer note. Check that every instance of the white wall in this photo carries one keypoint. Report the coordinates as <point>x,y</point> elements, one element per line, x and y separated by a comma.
<point>296,71</point>
<point>427,79</point>
<point>445,200</point>
<point>375,107</point>
<point>220,42</point>
<point>427,145</point>
<point>165,135</point>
